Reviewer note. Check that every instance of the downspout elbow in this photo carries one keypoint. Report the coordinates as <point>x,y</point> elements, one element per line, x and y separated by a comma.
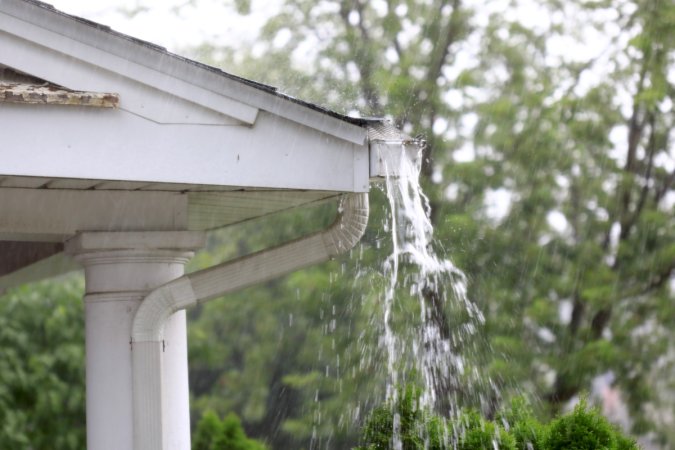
<point>348,228</point>
<point>188,290</point>
<point>158,306</point>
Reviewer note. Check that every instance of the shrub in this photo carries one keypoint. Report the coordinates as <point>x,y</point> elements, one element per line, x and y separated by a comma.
<point>515,428</point>
<point>227,434</point>
<point>403,419</point>
<point>208,429</point>
<point>527,431</point>
<point>585,429</point>
<point>474,432</point>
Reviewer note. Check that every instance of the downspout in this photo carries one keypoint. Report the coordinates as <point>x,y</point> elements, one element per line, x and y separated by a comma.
<point>207,284</point>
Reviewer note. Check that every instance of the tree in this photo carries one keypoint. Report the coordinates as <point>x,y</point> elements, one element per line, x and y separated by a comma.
<point>575,275</point>
<point>42,366</point>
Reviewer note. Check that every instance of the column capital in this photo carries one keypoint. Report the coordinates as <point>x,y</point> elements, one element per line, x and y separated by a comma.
<point>136,261</point>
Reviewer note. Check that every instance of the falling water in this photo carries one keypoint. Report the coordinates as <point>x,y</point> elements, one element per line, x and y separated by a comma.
<point>433,281</point>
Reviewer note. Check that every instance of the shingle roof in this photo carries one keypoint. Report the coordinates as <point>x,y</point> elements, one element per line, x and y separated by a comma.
<point>360,121</point>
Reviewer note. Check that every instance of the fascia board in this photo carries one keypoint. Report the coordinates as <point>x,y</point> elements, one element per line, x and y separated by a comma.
<point>143,62</point>
<point>305,116</point>
<point>80,143</point>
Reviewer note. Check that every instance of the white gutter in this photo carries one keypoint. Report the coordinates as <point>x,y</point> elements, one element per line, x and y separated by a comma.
<point>207,284</point>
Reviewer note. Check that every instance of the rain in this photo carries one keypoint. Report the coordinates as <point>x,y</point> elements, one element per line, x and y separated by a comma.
<point>387,224</point>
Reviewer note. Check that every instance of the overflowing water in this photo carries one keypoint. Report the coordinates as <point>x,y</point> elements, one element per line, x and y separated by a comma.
<point>430,348</point>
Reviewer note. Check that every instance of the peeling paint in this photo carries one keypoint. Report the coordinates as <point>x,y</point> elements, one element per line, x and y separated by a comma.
<point>48,94</point>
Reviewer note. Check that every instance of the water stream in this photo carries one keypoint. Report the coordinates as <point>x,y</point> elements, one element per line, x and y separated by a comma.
<point>431,347</point>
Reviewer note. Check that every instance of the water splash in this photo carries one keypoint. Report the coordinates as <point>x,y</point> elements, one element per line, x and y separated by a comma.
<point>430,348</point>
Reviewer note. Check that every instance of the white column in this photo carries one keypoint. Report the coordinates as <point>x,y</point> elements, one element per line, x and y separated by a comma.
<point>120,269</point>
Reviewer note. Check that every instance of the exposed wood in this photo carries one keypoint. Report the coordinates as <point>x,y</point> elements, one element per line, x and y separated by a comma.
<point>15,255</point>
<point>51,266</point>
<point>49,94</point>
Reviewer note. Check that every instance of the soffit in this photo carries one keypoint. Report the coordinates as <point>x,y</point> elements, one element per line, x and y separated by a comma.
<point>40,214</point>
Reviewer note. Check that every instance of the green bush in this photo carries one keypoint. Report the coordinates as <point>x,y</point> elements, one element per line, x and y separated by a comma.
<point>215,434</point>
<point>474,432</point>
<point>514,428</point>
<point>585,429</point>
<point>527,431</point>
<point>404,419</point>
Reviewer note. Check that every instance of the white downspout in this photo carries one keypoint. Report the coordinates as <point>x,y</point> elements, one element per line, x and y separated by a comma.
<point>207,284</point>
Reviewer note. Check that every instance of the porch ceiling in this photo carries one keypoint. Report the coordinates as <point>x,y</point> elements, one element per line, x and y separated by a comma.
<point>39,214</point>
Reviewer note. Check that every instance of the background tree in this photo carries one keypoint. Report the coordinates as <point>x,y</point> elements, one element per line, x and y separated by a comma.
<point>42,366</point>
<point>549,170</point>
<point>575,274</point>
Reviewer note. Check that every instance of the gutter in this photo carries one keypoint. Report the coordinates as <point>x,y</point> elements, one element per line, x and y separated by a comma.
<point>204,285</point>
<point>388,147</point>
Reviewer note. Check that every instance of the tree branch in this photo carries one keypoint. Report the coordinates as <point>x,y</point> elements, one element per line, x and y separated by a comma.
<point>600,321</point>
<point>447,37</point>
<point>364,56</point>
<point>632,219</point>
<point>397,44</point>
<point>661,278</point>
<point>668,182</point>
<point>578,309</point>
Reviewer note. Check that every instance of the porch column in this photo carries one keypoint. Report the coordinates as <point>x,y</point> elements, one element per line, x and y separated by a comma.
<point>120,269</point>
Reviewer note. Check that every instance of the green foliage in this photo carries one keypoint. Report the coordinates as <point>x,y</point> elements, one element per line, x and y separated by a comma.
<point>405,421</point>
<point>477,433</point>
<point>585,429</point>
<point>212,433</point>
<point>527,431</point>
<point>209,428</point>
<point>42,367</point>
<point>515,428</point>
<point>578,137</point>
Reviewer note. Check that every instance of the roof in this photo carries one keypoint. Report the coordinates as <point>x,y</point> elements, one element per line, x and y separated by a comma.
<point>360,121</point>
<point>144,139</point>
<point>74,61</point>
